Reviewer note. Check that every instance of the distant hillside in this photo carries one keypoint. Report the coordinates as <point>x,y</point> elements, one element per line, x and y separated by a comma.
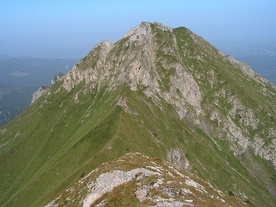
<point>8,113</point>
<point>13,100</point>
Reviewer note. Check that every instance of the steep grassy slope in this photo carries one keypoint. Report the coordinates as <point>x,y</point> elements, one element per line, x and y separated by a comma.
<point>42,159</point>
<point>162,92</point>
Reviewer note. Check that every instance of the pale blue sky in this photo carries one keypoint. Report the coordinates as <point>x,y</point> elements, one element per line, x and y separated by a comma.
<point>70,28</point>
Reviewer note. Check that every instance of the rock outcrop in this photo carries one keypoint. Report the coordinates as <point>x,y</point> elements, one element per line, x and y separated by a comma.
<point>40,92</point>
<point>141,181</point>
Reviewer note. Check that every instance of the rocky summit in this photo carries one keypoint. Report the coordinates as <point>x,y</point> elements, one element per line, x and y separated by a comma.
<point>162,92</point>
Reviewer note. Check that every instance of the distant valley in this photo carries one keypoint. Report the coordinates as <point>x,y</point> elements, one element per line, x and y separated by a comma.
<point>20,77</point>
<point>32,72</point>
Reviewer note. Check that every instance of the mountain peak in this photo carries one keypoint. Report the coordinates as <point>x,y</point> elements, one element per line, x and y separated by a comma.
<point>144,29</point>
<point>104,44</point>
<point>141,29</point>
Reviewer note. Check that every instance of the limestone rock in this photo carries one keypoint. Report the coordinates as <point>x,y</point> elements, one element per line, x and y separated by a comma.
<point>40,92</point>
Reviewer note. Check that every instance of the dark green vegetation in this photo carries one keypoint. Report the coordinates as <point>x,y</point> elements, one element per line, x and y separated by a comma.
<point>66,134</point>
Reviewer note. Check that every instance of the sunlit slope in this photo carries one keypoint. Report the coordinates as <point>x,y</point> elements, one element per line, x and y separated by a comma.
<point>162,92</point>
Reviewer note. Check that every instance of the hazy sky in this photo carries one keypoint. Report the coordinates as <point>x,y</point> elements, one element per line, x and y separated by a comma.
<point>71,28</point>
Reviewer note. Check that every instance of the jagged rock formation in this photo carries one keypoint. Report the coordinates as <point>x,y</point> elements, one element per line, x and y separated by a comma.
<point>56,77</point>
<point>160,91</point>
<point>40,92</point>
<point>137,180</point>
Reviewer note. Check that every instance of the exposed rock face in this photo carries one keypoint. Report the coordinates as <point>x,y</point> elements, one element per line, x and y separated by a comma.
<point>150,183</point>
<point>133,60</point>
<point>106,182</point>
<point>97,74</point>
<point>176,157</point>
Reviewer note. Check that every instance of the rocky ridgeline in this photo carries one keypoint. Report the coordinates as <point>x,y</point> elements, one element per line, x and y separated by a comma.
<point>137,180</point>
